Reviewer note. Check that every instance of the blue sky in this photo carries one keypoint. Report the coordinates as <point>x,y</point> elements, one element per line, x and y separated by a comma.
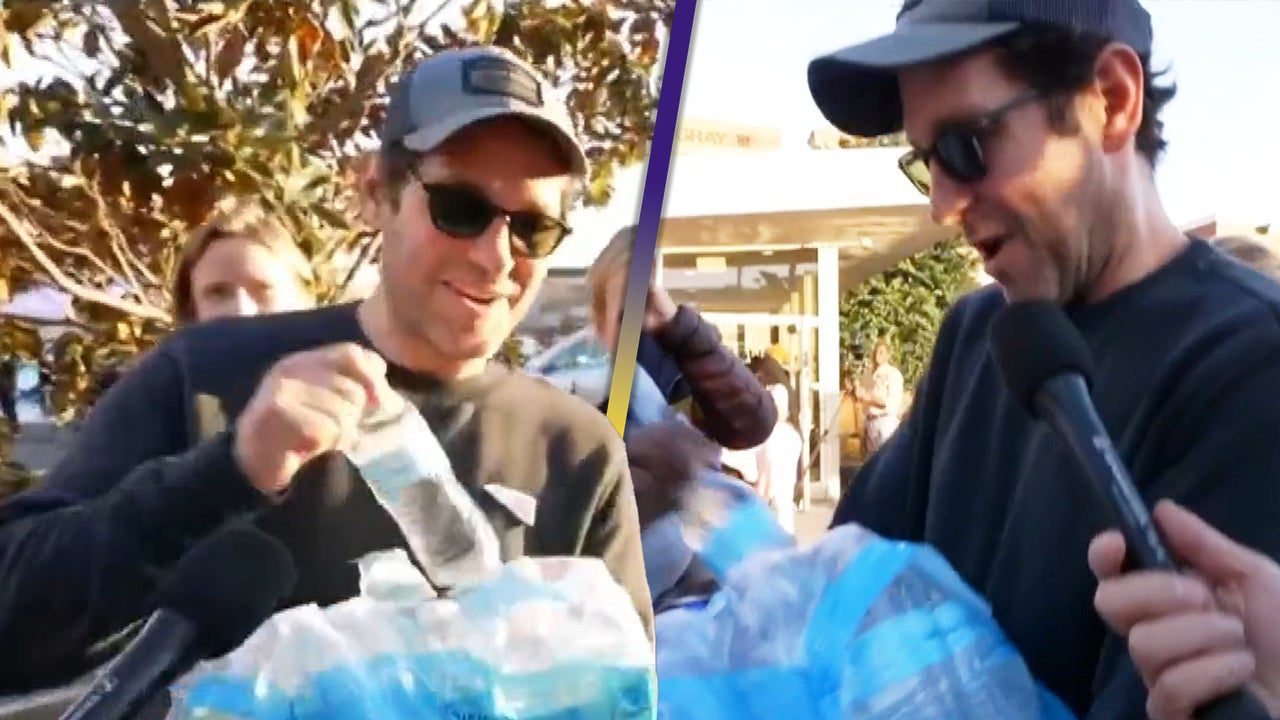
<point>748,62</point>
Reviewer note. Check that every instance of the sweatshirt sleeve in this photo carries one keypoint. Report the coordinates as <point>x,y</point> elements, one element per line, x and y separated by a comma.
<point>734,409</point>
<point>614,531</point>
<point>81,553</point>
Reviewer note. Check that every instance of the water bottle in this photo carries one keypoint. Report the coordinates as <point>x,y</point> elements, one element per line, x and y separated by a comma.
<point>409,473</point>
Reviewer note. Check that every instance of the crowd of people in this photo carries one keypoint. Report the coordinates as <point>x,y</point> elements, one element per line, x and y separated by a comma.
<point>1035,128</point>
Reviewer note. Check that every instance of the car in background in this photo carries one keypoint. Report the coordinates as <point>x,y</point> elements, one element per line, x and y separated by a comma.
<point>578,364</point>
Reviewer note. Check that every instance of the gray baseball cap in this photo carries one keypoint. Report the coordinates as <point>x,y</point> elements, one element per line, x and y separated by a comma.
<point>857,88</point>
<point>454,89</point>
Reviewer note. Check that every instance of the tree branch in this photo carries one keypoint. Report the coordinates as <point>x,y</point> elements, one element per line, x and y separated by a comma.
<point>66,284</point>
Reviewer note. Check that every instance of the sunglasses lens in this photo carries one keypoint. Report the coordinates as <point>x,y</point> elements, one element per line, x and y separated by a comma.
<point>960,154</point>
<point>460,212</point>
<point>540,235</point>
<point>913,165</point>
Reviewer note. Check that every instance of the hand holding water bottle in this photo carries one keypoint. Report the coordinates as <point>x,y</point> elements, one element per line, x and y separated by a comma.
<point>308,404</point>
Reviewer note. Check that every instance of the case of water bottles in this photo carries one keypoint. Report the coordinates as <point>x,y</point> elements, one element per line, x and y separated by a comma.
<point>533,639</point>
<point>854,626</point>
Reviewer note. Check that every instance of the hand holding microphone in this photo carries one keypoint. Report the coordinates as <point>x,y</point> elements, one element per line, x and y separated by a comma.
<point>1189,648</point>
<point>1046,365</point>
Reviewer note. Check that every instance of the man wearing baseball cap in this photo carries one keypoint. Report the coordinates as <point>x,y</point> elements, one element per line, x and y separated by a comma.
<point>243,419</point>
<point>1034,128</point>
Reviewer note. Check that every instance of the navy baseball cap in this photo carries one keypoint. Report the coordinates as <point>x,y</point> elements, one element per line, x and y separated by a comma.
<point>455,89</point>
<point>857,88</point>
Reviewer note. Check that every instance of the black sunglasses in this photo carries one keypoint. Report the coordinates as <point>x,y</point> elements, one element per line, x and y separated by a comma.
<point>464,212</point>
<point>958,148</point>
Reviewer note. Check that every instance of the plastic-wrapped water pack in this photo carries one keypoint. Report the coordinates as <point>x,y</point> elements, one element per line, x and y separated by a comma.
<point>854,626</point>
<point>546,639</point>
<point>534,639</point>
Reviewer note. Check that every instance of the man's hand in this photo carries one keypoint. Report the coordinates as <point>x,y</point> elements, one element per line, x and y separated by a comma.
<point>308,404</point>
<point>665,458</point>
<point>1194,638</point>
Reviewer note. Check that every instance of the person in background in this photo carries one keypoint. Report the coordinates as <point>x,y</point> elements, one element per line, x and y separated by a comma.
<point>722,400</point>
<point>240,262</point>
<point>683,354</point>
<point>880,392</point>
<point>777,350</point>
<point>776,464</point>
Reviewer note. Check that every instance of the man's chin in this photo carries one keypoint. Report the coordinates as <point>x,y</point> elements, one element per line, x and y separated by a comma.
<point>1015,291</point>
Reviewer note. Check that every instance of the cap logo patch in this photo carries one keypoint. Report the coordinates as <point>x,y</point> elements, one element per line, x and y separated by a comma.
<point>499,76</point>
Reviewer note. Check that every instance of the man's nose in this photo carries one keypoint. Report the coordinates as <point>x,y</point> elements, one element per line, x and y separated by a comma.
<point>492,250</point>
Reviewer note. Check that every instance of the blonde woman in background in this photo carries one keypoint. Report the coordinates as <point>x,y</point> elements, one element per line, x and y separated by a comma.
<point>880,391</point>
<point>240,262</point>
<point>723,401</point>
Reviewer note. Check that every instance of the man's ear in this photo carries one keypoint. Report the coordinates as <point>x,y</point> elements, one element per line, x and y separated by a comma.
<point>370,190</point>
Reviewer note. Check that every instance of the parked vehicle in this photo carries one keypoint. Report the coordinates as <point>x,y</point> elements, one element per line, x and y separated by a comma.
<point>578,364</point>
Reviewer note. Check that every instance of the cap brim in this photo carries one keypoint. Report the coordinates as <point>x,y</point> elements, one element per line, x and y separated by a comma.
<point>428,139</point>
<point>856,88</point>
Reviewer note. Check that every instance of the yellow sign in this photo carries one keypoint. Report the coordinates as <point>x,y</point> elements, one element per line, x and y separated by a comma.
<point>706,135</point>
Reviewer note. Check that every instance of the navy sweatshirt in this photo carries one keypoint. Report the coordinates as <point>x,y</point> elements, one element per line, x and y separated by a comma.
<point>1188,385</point>
<point>152,472</point>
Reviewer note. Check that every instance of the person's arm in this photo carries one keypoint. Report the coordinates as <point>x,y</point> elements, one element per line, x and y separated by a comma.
<point>613,533</point>
<point>1196,635</point>
<point>1221,437</point>
<point>81,554</point>
<point>764,470</point>
<point>734,409</point>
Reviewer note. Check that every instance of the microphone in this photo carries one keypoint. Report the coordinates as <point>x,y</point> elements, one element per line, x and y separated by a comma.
<point>1048,367</point>
<point>216,596</point>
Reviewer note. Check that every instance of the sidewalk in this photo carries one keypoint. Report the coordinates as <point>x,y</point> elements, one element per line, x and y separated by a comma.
<point>812,523</point>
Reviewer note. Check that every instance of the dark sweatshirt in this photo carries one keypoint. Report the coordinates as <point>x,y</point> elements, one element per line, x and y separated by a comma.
<point>152,472</point>
<point>1187,383</point>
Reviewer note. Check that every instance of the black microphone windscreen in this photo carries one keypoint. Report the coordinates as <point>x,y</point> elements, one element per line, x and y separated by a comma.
<point>1033,342</point>
<point>227,586</point>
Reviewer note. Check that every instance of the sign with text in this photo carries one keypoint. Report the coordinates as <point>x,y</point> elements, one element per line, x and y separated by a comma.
<point>698,135</point>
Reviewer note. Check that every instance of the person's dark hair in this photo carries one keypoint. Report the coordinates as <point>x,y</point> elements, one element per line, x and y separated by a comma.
<point>1057,60</point>
<point>768,370</point>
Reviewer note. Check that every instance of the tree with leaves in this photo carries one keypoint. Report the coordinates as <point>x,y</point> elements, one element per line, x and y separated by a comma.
<point>160,109</point>
<point>906,304</point>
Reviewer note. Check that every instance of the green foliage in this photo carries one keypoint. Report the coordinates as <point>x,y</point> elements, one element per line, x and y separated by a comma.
<point>898,139</point>
<point>160,109</point>
<point>906,304</point>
